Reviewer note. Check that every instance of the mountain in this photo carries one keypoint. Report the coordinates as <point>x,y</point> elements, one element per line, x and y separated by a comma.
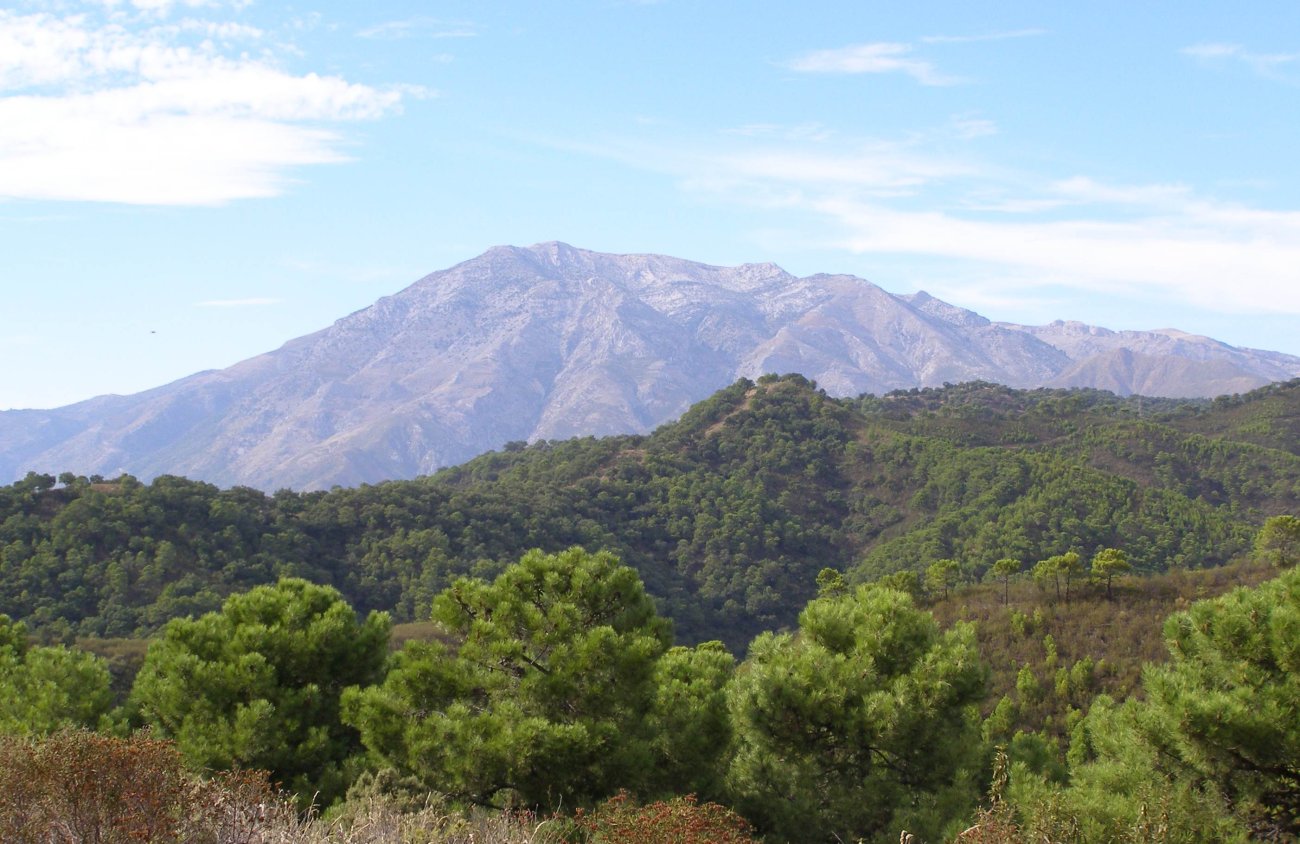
<point>549,342</point>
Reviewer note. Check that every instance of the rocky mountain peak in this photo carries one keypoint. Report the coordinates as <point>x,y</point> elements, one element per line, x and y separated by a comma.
<point>551,341</point>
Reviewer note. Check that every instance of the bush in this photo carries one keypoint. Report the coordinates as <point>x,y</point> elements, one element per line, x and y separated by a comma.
<point>619,820</point>
<point>78,786</point>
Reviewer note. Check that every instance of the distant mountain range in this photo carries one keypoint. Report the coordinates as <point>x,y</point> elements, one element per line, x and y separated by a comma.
<point>550,342</point>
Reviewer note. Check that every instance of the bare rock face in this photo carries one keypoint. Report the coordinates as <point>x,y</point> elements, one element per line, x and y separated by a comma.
<point>550,342</point>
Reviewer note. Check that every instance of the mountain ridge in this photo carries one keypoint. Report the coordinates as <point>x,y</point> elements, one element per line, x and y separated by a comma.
<point>552,341</point>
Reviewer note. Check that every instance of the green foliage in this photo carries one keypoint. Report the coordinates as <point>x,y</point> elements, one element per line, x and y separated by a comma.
<point>13,637</point>
<point>543,696</point>
<point>830,583</point>
<point>46,689</point>
<point>1278,541</point>
<point>1048,571</point>
<point>1107,563</point>
<point>942,576</point>
<point>907,582</point>
<point>1004,569</point>
<point>257,685</point>
<point>1101,645</point>
<point>1118,793</point>
<point>689,724</point>
<point>1061,568</point>
<point>1226,704</point>
<point>864,712</point>
<point>1070,566</point>
<point>727,515</point>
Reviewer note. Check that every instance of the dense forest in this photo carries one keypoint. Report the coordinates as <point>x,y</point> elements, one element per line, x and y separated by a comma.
<point>970,613</point>
<point>727,515</point>
<point>554,690</point>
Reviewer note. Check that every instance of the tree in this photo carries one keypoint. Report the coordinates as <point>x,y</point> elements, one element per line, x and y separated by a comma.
<point>868,709</point>
<point>941,576</point>
<point>1004,568</point>
<point>906,581</point>
<point>1278,541</point>
<point>830,582</point>
<point>1226,704</point>
<point>1119,789</point>
<point>257,685</point>
<point>46,689</point>
<point>1107,563</point>
<point>1048,570</point>
<point>538,693</point>
<point>1065,566</point>
<point>1070,565</point>
<point>689,724</point>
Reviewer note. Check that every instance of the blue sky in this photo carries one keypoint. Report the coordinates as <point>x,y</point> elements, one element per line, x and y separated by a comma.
<point>187,183</point>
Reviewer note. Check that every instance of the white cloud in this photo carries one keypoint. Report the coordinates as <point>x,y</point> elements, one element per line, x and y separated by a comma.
<point>102,111</point>
<point>237,303</point>
<point>878,57</point>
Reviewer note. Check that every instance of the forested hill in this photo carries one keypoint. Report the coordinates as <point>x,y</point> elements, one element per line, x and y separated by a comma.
<point>728,514</point>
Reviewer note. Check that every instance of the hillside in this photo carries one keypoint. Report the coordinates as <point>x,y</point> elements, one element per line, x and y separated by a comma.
<point>550,342</point>
<point>728,513</point>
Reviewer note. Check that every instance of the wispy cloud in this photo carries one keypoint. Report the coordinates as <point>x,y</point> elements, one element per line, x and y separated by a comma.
<point>795,132</point>
<point>420,27</point>
<point>1211,254</point>
<point>1278,67</point>
<point>1013,231</point>
<point>164,7</point>
<point>879,169</point>
<point>237,303</point>
<point>1211,51</point>
<point>878,57</point>
<point>988,36</point>
<point>968,127</point>
<point>172,114</point>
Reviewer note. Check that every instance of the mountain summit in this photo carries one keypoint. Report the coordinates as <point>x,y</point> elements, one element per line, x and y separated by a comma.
<point>551,341</point>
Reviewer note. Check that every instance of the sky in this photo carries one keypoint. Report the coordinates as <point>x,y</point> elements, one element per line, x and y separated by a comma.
<point>187,183</point>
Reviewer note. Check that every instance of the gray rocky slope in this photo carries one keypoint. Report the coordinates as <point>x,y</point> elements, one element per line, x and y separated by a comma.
<point>552,342</point>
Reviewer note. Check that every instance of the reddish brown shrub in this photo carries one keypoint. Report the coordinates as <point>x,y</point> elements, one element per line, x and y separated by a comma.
<point>80,787</point>
<point>85,787</point>
<point>678,821</point>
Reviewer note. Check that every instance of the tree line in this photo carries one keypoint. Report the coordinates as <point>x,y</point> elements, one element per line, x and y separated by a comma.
<point>727,515</point>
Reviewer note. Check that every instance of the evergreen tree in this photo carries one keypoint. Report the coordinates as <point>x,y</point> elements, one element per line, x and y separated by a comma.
<point>1228,703</point>
<point>1107,563</point>
<point>862,718</point>
<point>1004,568</point>
<point>257,685</point>
<point>539,692</point>
<point>46,689</point>
<point>1278,541</point>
